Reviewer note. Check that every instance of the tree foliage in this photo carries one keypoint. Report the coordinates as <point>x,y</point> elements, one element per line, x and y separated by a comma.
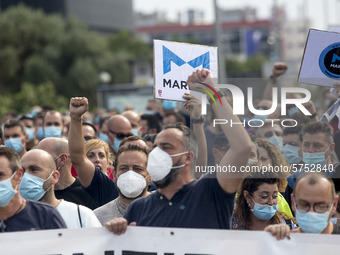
<point>252,67</point>
<point>58,55</point>
<point>31,95</point>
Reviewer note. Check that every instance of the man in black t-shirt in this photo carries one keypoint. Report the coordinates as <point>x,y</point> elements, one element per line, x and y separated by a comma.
<point>16,213</point>
<point>68,187</point>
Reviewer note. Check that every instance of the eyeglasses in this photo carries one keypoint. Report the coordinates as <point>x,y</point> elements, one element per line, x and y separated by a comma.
<point>271,133</point>
<point>317,207</point>
<point>120,136</point>
<point>266,197</point>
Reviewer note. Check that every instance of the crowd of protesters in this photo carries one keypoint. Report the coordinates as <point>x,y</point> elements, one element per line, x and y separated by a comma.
<point>84,169</point>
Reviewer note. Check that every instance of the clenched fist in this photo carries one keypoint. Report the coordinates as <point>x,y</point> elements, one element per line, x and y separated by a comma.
<point>78,106</point>
<point>279,68</point>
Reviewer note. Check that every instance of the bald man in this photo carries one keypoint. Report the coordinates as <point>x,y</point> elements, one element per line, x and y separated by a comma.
<point>119,127</point>
<point>38,185</point>
<point>134,119</point>
<point>68,187</point>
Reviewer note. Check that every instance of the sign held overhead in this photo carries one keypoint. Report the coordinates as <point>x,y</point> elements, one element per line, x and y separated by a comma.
<point>174,62</point>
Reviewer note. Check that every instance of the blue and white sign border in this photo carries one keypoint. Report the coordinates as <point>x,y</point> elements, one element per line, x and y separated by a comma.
<point>322,61</point>
<point>170,85</point>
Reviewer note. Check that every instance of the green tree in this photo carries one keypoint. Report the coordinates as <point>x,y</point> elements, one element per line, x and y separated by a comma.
<point>252,67</point>
<point>37,48</point>
<point>31,95</point>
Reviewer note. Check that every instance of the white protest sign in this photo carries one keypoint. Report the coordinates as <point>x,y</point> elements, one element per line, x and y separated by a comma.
<point>174,62</point>
<point>321,61</point>
<point>160,241</point>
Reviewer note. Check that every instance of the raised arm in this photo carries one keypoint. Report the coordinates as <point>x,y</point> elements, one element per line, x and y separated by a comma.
<point>193,106</point>
<point>83,166</point>
<point>279,69</point>
<point>239,141</point>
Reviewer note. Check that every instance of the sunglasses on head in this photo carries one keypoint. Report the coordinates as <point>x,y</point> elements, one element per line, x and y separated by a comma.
<point>120,136</point>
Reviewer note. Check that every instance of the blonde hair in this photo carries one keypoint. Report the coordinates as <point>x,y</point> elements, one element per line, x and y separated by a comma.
<point>96,144</point>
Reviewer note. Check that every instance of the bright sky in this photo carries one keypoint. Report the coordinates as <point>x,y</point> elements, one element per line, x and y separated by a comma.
<point>314,9</point>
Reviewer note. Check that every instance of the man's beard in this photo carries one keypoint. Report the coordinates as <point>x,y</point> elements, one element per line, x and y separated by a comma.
<point>167,180</point>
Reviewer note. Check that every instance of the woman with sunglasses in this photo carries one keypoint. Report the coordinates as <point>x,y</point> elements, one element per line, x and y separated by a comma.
<point>257,203</point>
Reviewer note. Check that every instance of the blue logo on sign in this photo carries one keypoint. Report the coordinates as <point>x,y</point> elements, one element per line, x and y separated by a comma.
<point>329,61</point>
<point>169,56</point>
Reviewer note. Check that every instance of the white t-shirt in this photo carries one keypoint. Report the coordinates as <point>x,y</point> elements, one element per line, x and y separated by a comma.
<point>69,212</point>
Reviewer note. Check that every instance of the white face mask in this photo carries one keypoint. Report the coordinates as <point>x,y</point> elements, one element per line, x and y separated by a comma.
<point>131,184</point>
<point>160,163</point>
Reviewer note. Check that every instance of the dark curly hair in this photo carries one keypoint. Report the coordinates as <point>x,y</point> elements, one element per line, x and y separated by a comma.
<point>242,212</point>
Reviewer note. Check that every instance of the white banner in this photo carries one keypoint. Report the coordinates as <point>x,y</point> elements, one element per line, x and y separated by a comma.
<point>321,61</point>
<point>160,241</point>
<point>174,62</point>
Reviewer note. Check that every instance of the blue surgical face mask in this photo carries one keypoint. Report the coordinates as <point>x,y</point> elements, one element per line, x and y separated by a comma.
<point>293,110</point>
<point>149,112</point>
<point>115,146</point>
<point>334,220</point>
<point>291,154</point>
<point>52,131</point>
<point>169,105</point>
<point>14,144</point>
<point>134,131</point>
<point>30,132</point>
<point>40,133</point>
<point>264,212</point>
<point>6,191</point>
<point>256,120</point>
<point>312,222</point>
<point>277,141</point>
<point>250,160</point>
<point>316,158</point>
<point>103,137</point>
<point>31,187</point>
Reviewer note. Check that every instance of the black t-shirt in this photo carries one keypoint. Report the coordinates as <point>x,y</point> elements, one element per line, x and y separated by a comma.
<point>76,193</point>
<point>336,230</point>
<point>35,216</point>
<point>102,189</point>
<point>199,204</point>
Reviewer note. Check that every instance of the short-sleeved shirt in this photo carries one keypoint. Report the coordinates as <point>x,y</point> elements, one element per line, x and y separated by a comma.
<point>76,193</point>
<point>102,189</point>
<point>199,204</point>
<point>77,216</point>
<point>35,216</point>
